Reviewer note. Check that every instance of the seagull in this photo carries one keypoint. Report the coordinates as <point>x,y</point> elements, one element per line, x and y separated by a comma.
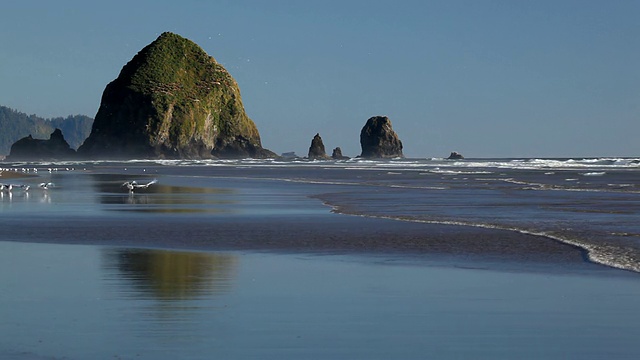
<point>8,187</point>
<point>131,185</point>
<point>46,185</point>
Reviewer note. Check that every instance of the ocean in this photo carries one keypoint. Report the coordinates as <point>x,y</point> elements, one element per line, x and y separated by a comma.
<point>400,258</point>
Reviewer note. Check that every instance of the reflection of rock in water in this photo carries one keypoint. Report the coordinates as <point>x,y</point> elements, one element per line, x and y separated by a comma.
<point>171,275</point>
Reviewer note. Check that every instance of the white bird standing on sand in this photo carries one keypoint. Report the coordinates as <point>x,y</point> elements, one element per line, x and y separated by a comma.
<point>131,185</point>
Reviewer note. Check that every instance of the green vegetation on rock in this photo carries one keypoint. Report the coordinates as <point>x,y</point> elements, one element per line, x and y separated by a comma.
<point>172,100</point>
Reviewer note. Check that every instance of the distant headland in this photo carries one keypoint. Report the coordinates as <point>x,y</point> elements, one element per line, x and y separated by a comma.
<point>15,125</point>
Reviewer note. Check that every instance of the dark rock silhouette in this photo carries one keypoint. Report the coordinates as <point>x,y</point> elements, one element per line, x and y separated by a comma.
<point>30,149</point>
<point>337,154</point>
<point>172,100</point>
<point>378,140</point>
<point>455,156</point>
<point>316,150</point>
<point>15,125</point>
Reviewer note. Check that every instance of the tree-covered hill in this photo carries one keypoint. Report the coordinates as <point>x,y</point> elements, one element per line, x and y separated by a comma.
<point>15,125</point>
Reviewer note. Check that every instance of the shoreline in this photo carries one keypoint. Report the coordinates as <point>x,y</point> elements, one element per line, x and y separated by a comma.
<point>331,234</point>
<point>588,252</point>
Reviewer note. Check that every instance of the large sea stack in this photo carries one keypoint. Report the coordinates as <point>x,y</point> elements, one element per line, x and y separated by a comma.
<point>378,140</point>
<point>172,100</point>
<point>30,149</point>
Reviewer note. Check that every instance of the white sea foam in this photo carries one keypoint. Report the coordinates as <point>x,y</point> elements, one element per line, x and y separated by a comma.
<point>459,172</point>
<point>621,185</point>
<point>546,164</point>
<point>606,255</point>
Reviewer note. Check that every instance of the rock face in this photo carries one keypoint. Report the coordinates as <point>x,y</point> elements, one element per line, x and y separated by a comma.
<point>337,154</point>
<point>30,149</point>
<point>316,150</point>
<point>172,100</point>
<point>378,140</point>
<point>455,156</point>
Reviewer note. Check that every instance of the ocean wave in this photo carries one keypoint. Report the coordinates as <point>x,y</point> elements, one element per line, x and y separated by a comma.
<point>591,164</point>
<point>547,164</point>
<point>460,172</point>
<point>603,254</point>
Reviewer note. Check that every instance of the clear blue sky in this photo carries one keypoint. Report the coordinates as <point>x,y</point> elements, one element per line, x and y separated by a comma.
<point>485,78</point>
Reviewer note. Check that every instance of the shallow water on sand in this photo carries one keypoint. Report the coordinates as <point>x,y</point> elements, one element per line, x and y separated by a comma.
<point>92,302</point>
<point>592,204</point>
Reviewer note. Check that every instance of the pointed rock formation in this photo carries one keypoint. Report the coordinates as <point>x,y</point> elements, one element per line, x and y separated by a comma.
<point>30,149</point>
<point>172,100</point>
<point>337,154</point>
<point>316,150</point>
<point>378,140</point>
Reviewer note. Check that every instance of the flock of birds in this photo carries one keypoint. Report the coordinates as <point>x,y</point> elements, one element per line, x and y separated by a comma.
<point>130,185</point>
<point>8,188</point>
<point>33,170</point>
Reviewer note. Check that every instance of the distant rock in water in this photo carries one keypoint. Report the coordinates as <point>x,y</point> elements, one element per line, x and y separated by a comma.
<point>172,100</point>
<point>30,149</point>
<point>378,140</point>
<point>337,154</point>
<point>289,155</point>
<point>455,156</point>
<point>316,150</point>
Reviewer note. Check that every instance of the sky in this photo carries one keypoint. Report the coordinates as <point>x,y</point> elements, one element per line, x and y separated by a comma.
<point>485,78</point>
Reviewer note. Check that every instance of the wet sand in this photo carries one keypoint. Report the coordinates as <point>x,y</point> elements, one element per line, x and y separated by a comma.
<point>324,234</point>
<point>259,215</point>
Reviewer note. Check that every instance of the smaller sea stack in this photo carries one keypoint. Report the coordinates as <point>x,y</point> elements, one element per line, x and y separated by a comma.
<point>378,140</point>
<point>30,149</point>
<point>337,154</point>
<point>316,150</point>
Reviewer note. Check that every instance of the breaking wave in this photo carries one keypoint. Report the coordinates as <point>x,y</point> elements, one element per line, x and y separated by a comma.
<point>603,254</point>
